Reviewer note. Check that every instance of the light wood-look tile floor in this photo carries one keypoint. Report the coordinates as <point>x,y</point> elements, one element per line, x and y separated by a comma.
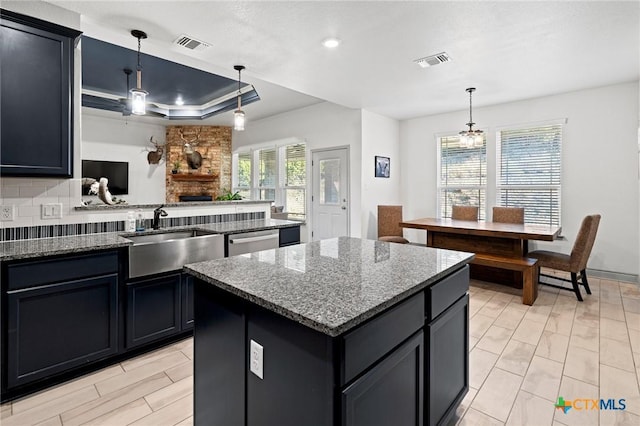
<point>522,358</point>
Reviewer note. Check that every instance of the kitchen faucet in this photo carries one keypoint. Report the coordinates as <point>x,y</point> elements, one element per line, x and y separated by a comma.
<point>156,216</point>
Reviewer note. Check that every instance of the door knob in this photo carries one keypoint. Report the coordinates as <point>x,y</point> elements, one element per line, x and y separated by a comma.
<point>344,208</point>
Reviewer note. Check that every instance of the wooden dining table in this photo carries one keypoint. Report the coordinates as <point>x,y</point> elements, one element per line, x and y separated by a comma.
<point>498,246</point>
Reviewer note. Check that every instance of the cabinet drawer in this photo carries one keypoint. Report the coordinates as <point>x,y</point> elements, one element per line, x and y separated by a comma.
<point>289,236</point>
<point>442,294</point>
<point>39,272</point>
<point>371,341</point>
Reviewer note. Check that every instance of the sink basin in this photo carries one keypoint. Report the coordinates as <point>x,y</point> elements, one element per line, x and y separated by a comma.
<point>164,236</point>
<point>170,251</point>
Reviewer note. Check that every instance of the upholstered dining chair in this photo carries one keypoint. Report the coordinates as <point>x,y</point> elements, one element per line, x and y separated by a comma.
<point>464,212</point>
<point>574,263</point>
<point>389,229</point>
<point>508,215</point>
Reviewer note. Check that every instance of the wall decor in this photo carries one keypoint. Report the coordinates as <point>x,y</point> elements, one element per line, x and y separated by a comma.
<point>383,165</point>
<point>155,155</point>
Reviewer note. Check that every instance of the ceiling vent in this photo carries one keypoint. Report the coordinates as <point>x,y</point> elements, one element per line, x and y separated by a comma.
<point>432,60</point>
<point>191,43</point>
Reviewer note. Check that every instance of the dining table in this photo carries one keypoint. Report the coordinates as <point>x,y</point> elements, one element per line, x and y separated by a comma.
<point>495,244</point>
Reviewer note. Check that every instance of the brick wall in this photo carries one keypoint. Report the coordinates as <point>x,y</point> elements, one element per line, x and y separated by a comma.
<point>214,144</point>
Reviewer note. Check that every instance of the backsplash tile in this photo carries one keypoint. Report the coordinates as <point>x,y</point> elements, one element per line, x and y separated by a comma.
<point>50,231</point>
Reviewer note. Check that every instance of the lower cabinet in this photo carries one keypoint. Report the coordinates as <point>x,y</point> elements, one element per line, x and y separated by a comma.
<point>58,314</point>
<point>187,301</point>
<point>153,309</point>
<point>447,364</point>
<point>389,393</point>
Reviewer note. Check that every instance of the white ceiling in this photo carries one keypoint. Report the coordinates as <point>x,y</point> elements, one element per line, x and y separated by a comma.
<point>508,50</point>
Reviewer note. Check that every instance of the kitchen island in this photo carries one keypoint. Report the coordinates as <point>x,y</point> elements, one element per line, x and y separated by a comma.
<point>335,332</point>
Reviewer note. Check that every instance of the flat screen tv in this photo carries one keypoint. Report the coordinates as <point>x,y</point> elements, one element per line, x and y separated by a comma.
<point>116,171</point>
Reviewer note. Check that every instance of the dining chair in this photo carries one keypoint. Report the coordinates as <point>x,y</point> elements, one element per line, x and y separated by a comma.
<point>508,215</point>
<point>464,212</point>
<point>574,263</point>
<point>389,229</point>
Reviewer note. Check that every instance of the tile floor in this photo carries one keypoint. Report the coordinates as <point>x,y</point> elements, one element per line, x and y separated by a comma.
<point>522,358</point>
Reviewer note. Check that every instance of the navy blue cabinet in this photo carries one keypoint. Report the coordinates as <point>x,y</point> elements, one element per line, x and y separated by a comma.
<point>36,106</point>
<point>60,314</point>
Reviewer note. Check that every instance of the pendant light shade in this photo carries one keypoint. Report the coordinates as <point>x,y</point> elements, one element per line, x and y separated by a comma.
<point>138,95</point>
<point>471,138</point>
<point>238,115</point>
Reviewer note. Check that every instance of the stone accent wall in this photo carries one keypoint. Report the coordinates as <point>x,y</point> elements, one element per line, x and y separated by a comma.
<point>214,144</point>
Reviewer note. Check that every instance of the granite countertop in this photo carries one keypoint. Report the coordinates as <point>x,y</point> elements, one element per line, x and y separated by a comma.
<point>331,285</point>
<point>25,249</point>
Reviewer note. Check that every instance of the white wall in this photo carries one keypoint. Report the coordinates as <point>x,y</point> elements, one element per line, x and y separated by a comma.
<point>380,136</point>
<point>600,165</point>
<point>115,139</point>
<point>322,125</point>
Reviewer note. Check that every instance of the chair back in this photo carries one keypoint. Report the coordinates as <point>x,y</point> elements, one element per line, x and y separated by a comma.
<point>389,218</point>
<point>584,242</point>
<point>508,215</point>
<point>464,213</point>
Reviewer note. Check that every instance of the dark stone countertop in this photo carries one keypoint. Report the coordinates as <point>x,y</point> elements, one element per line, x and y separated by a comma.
<point>332,285</point>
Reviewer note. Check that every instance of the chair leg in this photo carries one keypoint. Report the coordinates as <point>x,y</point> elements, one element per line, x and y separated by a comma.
<point>585,283</point>
<point>576,288</point>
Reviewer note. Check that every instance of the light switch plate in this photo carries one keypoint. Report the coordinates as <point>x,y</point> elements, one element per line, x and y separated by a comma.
<point>256,360</point>
<point>51,211</point>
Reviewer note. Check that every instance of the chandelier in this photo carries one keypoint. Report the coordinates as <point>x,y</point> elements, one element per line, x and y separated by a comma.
<point>471,138</point>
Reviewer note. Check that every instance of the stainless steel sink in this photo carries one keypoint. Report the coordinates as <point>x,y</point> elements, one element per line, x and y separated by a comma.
<point>169,251</point>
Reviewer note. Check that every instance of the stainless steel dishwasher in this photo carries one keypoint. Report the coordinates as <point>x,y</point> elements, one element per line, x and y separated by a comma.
<point>249,242</point>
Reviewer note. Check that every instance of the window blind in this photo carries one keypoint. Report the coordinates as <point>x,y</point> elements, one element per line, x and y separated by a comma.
<point>529,172</point>
<point>463,175</point>
<point>267,170</point>
<point>295,165</point>
<point>244,170</point>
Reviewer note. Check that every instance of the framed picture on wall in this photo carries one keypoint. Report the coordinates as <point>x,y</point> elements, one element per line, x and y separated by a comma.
<point>383,165</point>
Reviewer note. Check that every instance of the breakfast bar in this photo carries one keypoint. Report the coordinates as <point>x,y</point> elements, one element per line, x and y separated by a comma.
<point>335,332</point>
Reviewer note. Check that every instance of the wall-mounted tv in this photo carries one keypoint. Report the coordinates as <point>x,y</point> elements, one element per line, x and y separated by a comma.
<point>116,171</point>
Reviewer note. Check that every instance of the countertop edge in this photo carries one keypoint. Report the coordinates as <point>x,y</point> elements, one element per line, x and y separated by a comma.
<point>323,328</point>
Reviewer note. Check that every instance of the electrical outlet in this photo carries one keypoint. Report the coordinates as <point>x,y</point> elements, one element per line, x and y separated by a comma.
<point>51,211</point>
<point>7,213</point>
<point>256,360</point>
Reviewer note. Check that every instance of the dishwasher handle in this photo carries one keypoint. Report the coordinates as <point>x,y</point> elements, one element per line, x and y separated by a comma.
<point>253,239</point>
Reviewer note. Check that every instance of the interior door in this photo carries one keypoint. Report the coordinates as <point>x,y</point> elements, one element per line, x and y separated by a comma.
<point>330,193</point>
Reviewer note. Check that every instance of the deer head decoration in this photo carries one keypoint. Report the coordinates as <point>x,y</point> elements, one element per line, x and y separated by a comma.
<point>194,158</point>
<point>154,156</point>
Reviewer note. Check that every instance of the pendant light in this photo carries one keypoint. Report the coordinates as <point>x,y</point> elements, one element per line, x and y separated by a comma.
<point>238,115</point>
<point>138,96</point>
<point>471,138</point>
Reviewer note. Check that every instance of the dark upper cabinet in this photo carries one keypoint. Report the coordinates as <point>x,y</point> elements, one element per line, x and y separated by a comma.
<point>36,106</point>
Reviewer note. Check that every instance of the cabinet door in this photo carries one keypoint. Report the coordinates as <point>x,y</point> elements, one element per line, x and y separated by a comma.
<point>153,309</point>
<point>56,327</point>
<point>289,236</point>
<point>447,366</point>
<point>390,393</point>
<point>187,302</point>
<point>36,76</point>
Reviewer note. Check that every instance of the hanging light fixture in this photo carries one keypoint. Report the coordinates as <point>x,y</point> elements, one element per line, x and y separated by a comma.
<point>471,138</point>
<point>238,115</point>
<point>138,96</point>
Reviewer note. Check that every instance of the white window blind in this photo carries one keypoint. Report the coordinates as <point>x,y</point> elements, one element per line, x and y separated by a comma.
<point>267,174</point>
<point>463,176</point>
<point>529,172</point>
<point>295,174</point>
<point>243,174</point>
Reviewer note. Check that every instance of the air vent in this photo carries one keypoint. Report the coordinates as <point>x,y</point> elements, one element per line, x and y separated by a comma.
<point>432,60</point>
<point>191,43</point>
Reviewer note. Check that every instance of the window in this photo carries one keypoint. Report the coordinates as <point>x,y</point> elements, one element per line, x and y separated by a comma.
<point>278,174</point>
<point>267,174</point>
<point>529,171</point>
<point>295,180</point>
<point>463,175</point>
<point>243,173</point>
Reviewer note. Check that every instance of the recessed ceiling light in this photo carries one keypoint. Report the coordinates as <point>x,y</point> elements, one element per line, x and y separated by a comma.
<point>179,100</point>
<point>331,42</point>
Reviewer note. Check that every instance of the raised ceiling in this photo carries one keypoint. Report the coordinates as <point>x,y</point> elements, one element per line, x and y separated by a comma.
<point>509,50</point>
<point>105,84</point>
